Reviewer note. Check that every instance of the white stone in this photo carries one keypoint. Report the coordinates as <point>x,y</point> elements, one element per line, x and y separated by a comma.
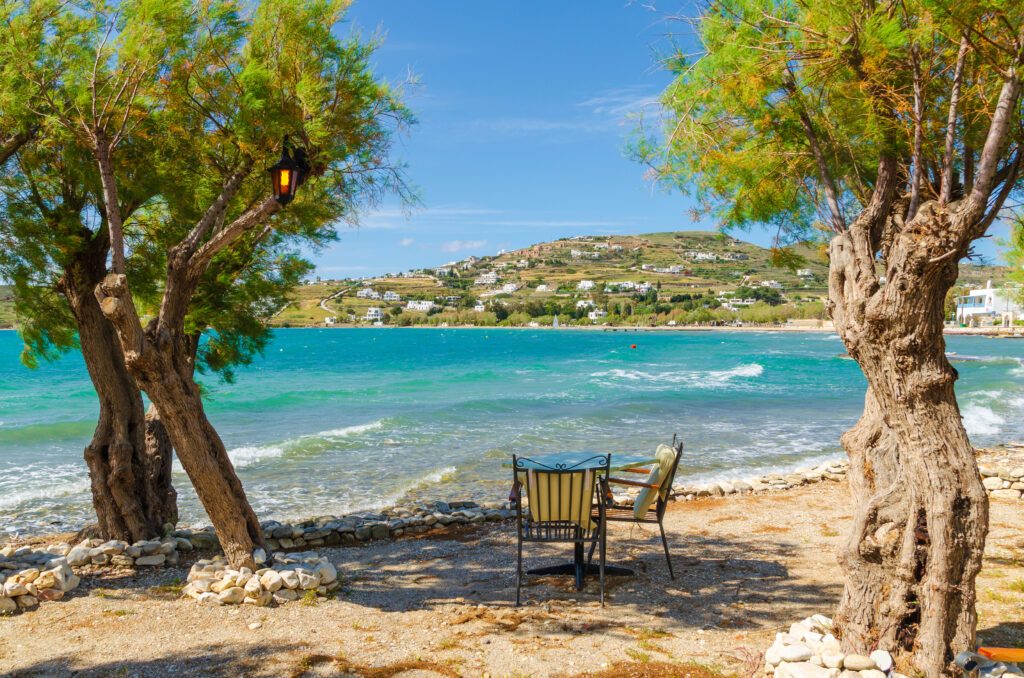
<point>27,601</point>
<point>307,581</point>
<point>285,595</point>
<point>802,670</point>
<point>151,561</point>
<point>1006,494</point>
<point>255,625</point>
<point>873,673</point>
<point>78,556</point>
<point>7,605</point>
<point>813,637</point>
<point>882,659</point>
<point>232,595</point>
<point>832,659</point>
<point>271,581</point>
<point>992,483</point>
<point>290,579</point>
<point>14,588</point>
<point>858,662</point>
<point>253,587</point>
<point>773,655</point>
<point>259,556</point>
<point>1017,472</point>
<point>211,598</point>
<point>796,653</point>
<point>328,573</point>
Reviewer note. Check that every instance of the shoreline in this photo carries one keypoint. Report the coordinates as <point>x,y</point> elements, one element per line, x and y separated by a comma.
<point>992,332</point>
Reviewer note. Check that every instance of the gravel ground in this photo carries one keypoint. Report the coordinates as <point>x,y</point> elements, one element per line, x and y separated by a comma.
<point>443,605</point>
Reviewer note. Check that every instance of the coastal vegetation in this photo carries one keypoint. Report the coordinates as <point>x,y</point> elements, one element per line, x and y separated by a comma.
<point>889,130</point>
<point>141,225</point>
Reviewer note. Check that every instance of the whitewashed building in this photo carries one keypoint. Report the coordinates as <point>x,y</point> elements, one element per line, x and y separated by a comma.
<point>509,288</point>
<point>771,284</point>
<point>416,305</point>
<point>990,304</point>
<point>585,303</point>
<point>542,287</point>
<point>374,314</point>
<point>804,273</point>
<point>585,285</point>
<point>597,314</point>
<point>488,278</point>
<point>479,307</point>
<point>392,296</point>
<point>368,293</point>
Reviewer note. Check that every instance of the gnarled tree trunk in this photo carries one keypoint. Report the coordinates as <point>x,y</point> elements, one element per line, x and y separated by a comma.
<point>130,475</point>
<point>922,513</point>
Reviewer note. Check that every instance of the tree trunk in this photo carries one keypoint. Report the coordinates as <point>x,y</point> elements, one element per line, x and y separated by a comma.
<point>921,517</point>
<point>129,476</point>
<point>166,376</point>
<point>162,362</point>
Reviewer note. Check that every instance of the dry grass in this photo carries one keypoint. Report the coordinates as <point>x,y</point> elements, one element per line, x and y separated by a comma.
<point>651,669</point>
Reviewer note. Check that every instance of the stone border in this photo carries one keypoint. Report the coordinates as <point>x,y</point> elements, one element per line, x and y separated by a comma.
<point>292,576</point>
<point>809,650</point>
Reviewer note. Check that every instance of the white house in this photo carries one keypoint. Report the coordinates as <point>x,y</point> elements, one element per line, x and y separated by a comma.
<point>330,320</point>
<point>990,303</point>
<point>488,278</point>
<point>374,313</point>
<point>804,273</point>
<point>479,307</point>
<point>414,305</point>
<point>597,314</point>
<point>368,293</point>
<point>585,285</point>
<point>584,254</point>
<point>509,288</point>
<point>772,284</point>
<point>523,263</point>
<point>443,271</point>
<point>542,288</point>
<point>392,296</point>
<point>697,255</point>
<point>585,303</point>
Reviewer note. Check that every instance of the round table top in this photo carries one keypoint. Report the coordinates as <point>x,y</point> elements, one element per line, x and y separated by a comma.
<point>582,461</point>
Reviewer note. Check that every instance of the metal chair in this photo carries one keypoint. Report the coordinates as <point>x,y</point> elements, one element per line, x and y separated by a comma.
<point>632,514</point>
<point>560,508</point>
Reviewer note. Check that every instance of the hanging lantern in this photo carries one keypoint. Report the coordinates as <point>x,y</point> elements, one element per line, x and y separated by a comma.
<point>284,176</point>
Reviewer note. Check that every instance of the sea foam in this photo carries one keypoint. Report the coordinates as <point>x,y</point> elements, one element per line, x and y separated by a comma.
<point>980,420</point>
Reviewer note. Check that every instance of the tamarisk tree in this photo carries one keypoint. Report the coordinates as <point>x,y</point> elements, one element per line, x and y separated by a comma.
<point>894,130</point>
<point>201,96</point>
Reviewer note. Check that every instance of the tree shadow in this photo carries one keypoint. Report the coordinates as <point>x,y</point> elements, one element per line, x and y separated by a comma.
<point>720,582</point>
<point>209,660</point>
<point>1006,634</point>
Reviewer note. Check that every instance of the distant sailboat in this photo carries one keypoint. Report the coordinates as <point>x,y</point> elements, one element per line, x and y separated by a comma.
<point>554,323</point>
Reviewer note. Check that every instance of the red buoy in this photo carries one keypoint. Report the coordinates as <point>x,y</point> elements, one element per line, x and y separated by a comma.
<point>632,345</point>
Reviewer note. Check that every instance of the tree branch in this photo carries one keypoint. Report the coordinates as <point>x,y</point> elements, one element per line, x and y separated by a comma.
<point>119,308</point>
<point>917,160</point>
<point>226,236</point>
<point>13,144</point>
<point>215,211</point>
<point>101,148</point>
<point>954,101</point>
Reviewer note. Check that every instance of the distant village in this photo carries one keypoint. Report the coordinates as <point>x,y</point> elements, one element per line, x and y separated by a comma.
<point>611,280</point>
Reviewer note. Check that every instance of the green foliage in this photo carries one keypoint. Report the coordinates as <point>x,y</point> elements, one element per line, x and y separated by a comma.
<point>190,94</point>
<point>735,134</point>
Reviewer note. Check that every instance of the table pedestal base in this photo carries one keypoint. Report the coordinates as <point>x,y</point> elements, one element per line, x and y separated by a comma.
<point>579,568</point>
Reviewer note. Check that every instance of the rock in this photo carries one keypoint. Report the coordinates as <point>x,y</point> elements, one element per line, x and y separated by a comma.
<point>307,581</point>
<point>121,560</point>
<point>1017,472</point>
<point>271,581</point>
<point>873,673</point>
<point>1006,494</point>
<point>773,655</point>
<point>803,670</point>
<point>285,595</point>
<point>832,659</point>
<point>259,556</point>
<point>211,598</point>
<point>882,659</point>
<point>14,588</point>
<point>328,573</point>
<point>49,595</point>
<point>71,583</point>
<point>992,483</point>
<point>290,579</point>
<point>232,596</point>
<point>858,662</point>
<point>849,674</point>
<point>79,556</point>
<point>796,653</point>
<point>28,576</point>
<point>253,587</point>
<point>255,625</point>
<point>26,602</point>
<point>46,580</point>
<point>151,561</point>
<point>262,599</point>
<point>183,545</point>
<point>7,605</point>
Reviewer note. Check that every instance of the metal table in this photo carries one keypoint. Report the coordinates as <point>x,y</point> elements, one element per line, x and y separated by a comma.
<point>578,460</point>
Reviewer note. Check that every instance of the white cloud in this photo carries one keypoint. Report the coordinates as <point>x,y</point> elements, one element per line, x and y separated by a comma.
<point>555,223</point>
<point>621,102</point>
<point>405,242</point>
<point>397,217</point>
<point>458,245</point>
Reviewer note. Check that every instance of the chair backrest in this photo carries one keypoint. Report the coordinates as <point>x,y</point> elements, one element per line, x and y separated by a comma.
<point>666,483</point>
<point>559,497</point>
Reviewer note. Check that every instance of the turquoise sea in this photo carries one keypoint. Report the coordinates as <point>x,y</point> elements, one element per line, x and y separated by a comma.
<point>343,419</point>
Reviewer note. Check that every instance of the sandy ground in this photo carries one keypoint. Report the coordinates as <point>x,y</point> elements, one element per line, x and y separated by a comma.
<point>745,568</point>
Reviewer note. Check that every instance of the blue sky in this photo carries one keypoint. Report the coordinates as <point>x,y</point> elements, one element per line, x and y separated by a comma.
<point>522,112</point>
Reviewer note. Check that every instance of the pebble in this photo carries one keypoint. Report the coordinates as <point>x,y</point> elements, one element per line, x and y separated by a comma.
<point>882,659</point>
<point>796,653</point>
<point>858,662</point>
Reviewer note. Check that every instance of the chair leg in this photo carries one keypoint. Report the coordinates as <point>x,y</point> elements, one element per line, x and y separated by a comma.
<point>604,541</point>
<point>664,542</point>
<point>590,556</point>
<point>519,571</point>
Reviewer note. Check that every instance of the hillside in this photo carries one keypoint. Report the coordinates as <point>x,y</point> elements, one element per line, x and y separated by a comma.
<point>691,275</point>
